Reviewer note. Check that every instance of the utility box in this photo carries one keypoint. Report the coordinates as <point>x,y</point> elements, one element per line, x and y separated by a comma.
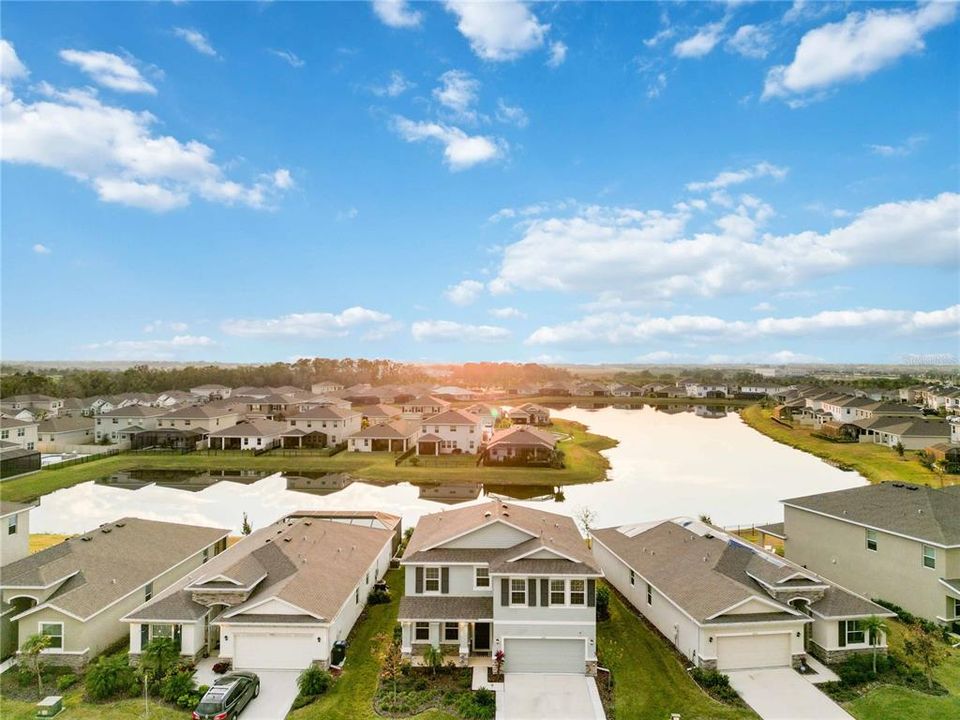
<point>50,706</point>
<point>338,652</point>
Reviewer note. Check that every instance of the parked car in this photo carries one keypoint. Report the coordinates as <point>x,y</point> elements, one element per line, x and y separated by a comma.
<point>228,696</point>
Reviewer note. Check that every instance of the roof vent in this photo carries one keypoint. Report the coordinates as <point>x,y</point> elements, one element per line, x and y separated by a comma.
<point>506,514</point>
<point>487,514</point>
<point>86,538</point>
<point>268,540</point>
<point>286,539</point>
<point>308,522</point>
<point>121,524</point>
<point>105,530</point>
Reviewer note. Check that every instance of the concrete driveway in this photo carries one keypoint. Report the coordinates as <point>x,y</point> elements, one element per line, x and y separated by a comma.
<point>278,688</point>
<point>783,694</point>
<point>549,697</point>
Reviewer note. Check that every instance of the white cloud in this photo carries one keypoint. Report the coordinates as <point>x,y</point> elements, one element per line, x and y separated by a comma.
<point>397,13</point>
<point>854,48</point>
<point>752,41</point>
<point>464,292</point>
<point>289,57</point>
<point>157,325</point>
<point>282,179</point>
<point>397,85</point>
<point>41,249</point>
<point>109,70</point>
<point>663,34</point>
<point>558,54</point>
<point>627,329</point>
<point>650,255</point>
<point>458,92</point>
<point>498,31</point>
<point>780,357</point>
<point>507,313</point>
<point>196,39</point>
<point>10,66</point>
<point>511,114</point>
<point>152,349</point>
<point>657,86</point>
<point>735,177</point>
<point>902,150</point>
<point>307,325</point>
<point>661,356</point>
<point>117,152</point>
<point>460,151</point>
<point>449,331</point>
<point>702,43</point>
<point>763,307</point>
<point>529,211</point>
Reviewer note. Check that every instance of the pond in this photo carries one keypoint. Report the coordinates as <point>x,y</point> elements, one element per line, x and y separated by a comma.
<point>674,460</point>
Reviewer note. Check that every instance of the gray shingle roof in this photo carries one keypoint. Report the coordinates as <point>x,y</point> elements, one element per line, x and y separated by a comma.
<point>917,511</point>
<point>455,607</point>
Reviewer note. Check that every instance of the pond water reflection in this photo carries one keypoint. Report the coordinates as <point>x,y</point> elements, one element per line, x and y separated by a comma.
<point>674,460</point>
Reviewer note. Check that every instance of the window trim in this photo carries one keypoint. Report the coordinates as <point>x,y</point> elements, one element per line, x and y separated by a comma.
<point>476,577</point>
<point>427,580</point>
<point>571,591</point>
<point>924,556</point>
<point>62,635</point>
<point>562,591</point>
<point>417,627</point>
<point>649,594</point>
<point>447,626</point>
<point>860,631</point>
<point>871,537</point>
<point>523,590</point>
<point>13,523</point>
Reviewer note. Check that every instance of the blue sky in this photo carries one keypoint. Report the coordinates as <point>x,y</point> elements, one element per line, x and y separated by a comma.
<point>590,182</point>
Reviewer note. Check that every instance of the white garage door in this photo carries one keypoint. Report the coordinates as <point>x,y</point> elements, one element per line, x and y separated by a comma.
<point>523,655</point>
<point>274,652</point>
<point>753,651</point>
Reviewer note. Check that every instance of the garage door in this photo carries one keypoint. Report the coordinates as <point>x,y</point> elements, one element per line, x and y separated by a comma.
<point>523,655</point>
<point>274,652</point>
<point>753,651</point>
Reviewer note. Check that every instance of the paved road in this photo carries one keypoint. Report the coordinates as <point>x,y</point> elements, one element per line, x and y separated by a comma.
<point>549,697</point>
<point>782,694</point>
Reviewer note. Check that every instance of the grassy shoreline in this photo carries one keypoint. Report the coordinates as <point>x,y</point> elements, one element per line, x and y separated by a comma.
<point>584,464</point>
<point>875,462</point>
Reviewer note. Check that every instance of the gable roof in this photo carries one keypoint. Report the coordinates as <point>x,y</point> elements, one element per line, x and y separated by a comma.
<point>253,428</point>
<point>421,400</point>
<point>379,411</point>
<point>135,411</point>
<point>65,424</point>
<point>108,563</point>
<point>11,508</point>
<point>452,417</point>
<point>9,422</point>
<point>204,412</point>
<point>323,412</point>
<point>916,511</point>
<point>397,430</point>
<point>523,435</point>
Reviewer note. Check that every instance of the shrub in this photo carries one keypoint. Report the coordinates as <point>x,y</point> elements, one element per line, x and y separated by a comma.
<point>715,683</point>
<point>188,701</point>
<point>108,677</point>
<point>314,681</point>
<point>25,677</point>
<point>378,597</point>
<point>202,690</point>
<point>302,701</point>
<point>433,658</point>
<point>221,667</point>
<point>66,681</point>
<point>485,697</point>
<point>603,602</point>
<point>470,706</point>
<point>177,684</point>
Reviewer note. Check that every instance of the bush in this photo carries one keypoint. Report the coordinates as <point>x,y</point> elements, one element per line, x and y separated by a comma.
<point>314,681</point>
<point>909,618</point>
<point>485,697</point>
<point>109,677</point>
<point>25,677</point>
<point>603,602</point>
<point>176,684</point>
<point>475,706</point>
<point>715,683</point>
<point>221,667</point>
<point>378,597</point>
<point>302,701</point>
<point>66,681</point>
<point>858,669</point>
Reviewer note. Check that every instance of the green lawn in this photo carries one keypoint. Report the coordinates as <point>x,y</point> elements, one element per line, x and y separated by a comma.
<point>649,681</point>
<point>874,462</point>
<point>351,697</point>
<point>890,702</point>
<point>584,464</point>
<point>76,709</point>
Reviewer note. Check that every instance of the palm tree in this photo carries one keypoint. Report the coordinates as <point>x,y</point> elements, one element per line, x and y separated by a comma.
<point>875,626</point>
<point>159,654</point>
<point>32,648</point>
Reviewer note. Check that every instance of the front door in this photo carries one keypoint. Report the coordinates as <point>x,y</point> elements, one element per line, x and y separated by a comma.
<point>481,637</point>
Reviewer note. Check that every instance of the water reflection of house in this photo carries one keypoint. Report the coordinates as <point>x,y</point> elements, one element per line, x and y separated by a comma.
<point>528,493</point>
<point>672,409</point>
<point>450,494</point>
<point>177,479</point>
<point>705,411</point>
<point>322,485</point>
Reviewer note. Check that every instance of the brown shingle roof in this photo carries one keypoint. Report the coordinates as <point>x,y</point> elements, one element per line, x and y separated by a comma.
<point>456,607</point>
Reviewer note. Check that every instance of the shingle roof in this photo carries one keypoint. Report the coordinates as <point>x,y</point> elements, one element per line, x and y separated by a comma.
<point>917,511</point>
<point>65,424</point>
<point>252,428</point>
<point>452,417</point>
<point>135,411</point>
<point>8,422</point>
<point>324,412</point>
<point>107,566</point>
<point>522,435</point>
<point>398,429</point>
<point>9,508</point>
<point>200,411</point>
<point>455,607</point>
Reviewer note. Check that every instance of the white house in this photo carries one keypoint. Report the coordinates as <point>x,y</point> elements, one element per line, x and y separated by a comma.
<point>211,391</point>
<point>57,433</point>
<point>393,436</point>
<point>19,432</point>
<point>726,604</point>
<point>498,576</point>
<point>333,424</point>
<point>15,529</point>
<point>325,386</point>
<point>423,406</point>
<point>201,418</point>
<point>452,431</point>
<point>279,598</point>
<point>256,434</point>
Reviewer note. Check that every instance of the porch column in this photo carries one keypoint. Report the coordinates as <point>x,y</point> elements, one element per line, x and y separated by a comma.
<point>464,636</point>
<point>406,638</point>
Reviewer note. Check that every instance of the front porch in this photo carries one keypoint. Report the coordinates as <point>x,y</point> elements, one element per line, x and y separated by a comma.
<point>460,627</point>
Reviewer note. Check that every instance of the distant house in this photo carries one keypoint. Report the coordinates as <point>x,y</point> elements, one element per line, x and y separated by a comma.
<point>894,541</point>
<point>423,406</point>
<point>393,436</point>
<point>325,386</point>
<point>488,414</point>
<point>111,425</point>
<point>593,389</point>
<point>529,414</point>
<point>201,418</point>
<point>627,390</point>
<point>211,391</point>
<point>257,434</point>
<point>278,599</point>
<point>452,392</point>
<point>21,433</point>
<point>912,434</point>
<point>452,431</point>
<point>521,444</point>
<point>55,434</point>
<point>173,398</point>
<point>77,591</point>
<point>376,414</point>
<point>706,390</point>
<point>38,404</point>
<point>726,604</point>
<point>329,426</point>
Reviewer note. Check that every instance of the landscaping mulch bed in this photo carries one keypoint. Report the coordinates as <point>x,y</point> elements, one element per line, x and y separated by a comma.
<point>13,688</point>
<point>421,689</point>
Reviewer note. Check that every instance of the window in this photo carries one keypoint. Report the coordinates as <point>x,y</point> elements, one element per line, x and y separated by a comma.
<point>956,608</point>
<point>54,631</point>
<point>578,592</point>
<point>421,631</point>
<point>451,632</point>
<point>481,577</point>
<point>558,592</point>
<point>12,525</point>
<point>929,557</point>
<point>206,554</point>
<point>148,591</point>
<point>431,579</point>
<point>855,632</point>
<point>366,578</point>
<point>356,596</point>
<point>633,577</point>
<point>518,591</point>
<point>649,594</point>
<point>4,434</point>
<point>872,540</point>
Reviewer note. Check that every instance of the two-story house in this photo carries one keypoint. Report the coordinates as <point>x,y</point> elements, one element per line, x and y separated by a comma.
<point>452,431</point>
<point>22,433</point>
<point>201,418</point>
<point>422,406</point>
<point>114,425</point>
<point>328,425</point>
<point>498,576</point>
<point>893,541</point>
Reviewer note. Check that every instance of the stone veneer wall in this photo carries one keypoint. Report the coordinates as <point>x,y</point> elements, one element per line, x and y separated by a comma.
<point>832,657</point>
